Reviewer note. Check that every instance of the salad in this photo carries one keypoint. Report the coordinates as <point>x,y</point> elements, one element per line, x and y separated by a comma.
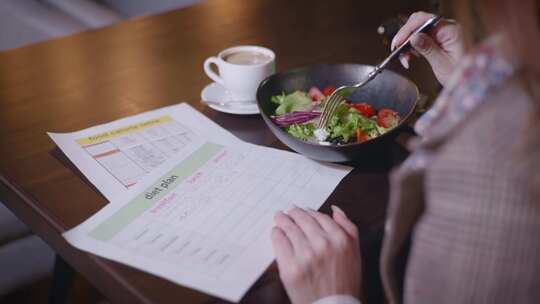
<point>298,114</point>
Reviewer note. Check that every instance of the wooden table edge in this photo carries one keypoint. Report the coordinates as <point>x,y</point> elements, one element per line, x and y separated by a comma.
<point>26,210</point>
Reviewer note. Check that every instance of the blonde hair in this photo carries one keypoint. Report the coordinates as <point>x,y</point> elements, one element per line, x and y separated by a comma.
<point>519,21</point>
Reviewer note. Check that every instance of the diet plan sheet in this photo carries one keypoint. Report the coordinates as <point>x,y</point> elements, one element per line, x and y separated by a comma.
<point>206,222</point>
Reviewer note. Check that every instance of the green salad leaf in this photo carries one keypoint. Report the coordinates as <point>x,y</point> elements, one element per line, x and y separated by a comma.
<point>303,131</point>
<point>382,130</point>
<point>297,101</point>
<point>346,120</point>
<point>278,99</point>
<point>342,127</point>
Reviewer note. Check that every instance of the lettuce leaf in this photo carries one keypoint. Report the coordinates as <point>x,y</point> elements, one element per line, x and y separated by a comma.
<point>278,99</point>
<point>346,121</point>
<point>297,101</point>
<point>342,125</point>
<point>303,131</point>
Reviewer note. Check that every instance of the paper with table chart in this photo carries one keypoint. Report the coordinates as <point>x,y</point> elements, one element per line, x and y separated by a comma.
<point>205,222</point>
<point>116,155</point>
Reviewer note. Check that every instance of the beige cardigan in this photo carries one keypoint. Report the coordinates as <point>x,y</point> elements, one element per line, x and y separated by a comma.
<point>472,208</point>
<point>472,215</point>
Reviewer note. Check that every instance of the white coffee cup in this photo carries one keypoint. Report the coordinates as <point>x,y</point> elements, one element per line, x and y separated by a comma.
<point>241,76</point>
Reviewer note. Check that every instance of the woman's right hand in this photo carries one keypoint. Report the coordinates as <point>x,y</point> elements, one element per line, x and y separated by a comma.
<point>442,47</point>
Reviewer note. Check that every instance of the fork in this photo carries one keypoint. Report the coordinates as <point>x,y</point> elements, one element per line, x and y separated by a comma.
<point>337,97</point>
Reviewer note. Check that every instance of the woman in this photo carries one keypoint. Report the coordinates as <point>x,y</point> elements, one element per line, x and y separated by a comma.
<point>468,195</point>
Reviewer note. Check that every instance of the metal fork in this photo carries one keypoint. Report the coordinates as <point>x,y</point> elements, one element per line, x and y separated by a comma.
<point>338,96</point>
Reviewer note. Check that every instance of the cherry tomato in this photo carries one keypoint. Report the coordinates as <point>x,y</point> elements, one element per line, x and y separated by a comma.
<point>387,118</point>
<point>361,136</point>
<point>364,109</point>
<point>315,94</point>
<point>329,90</point>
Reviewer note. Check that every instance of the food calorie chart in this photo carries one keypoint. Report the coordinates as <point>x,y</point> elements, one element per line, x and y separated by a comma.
<point>130,152</point>
<point>115,156</point>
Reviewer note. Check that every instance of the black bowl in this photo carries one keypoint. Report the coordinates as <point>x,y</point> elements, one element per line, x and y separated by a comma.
<point>388,90</point>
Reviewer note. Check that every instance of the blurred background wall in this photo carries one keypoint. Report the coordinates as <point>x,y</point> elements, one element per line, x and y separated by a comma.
<point>24,22</point>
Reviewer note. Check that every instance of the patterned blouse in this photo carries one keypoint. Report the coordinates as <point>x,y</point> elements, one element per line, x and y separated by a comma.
<point>467,88</point>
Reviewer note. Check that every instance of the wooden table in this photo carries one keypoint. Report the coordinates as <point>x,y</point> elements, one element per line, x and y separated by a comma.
<point>98,76</point>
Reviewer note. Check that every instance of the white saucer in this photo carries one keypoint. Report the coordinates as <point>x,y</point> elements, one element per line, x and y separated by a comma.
<point>216,92</point>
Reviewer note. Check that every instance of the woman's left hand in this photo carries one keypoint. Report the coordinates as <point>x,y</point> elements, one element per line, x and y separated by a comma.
<point>317,255</point>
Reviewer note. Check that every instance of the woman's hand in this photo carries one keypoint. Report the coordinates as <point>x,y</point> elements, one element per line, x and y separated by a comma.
<point>442,48</point>
<point>317,255</point>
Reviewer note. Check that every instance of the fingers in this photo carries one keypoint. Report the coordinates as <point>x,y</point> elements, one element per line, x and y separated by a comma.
<point>428,48</point>
<point>313,230</point>
<point>424,44</point>
<point>307,223</point>
<point>342,220</point>
<point>442,46</point>
<point>306,230</point>
<point>326,222</point>
<point>404,60</point>
<point>293,232</point>
<point>415,21</point>
<point>283,248</point>
<point>331,268</point>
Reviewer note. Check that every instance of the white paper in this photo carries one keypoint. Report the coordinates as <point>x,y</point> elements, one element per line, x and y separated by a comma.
<point>117,155</point>
<point>206,222</point>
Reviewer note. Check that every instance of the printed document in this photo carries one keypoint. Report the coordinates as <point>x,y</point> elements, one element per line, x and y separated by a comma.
<point>117,155</point>
<point>205,222</point>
